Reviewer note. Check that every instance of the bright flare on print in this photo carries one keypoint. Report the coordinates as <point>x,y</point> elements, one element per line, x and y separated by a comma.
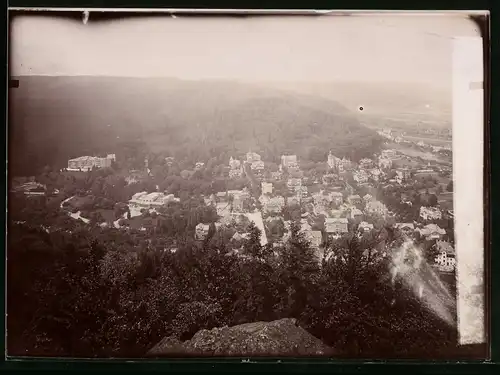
<point>409,265</point>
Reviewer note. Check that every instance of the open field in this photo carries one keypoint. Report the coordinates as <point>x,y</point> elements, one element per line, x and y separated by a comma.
<point>429,140</point>
<point>412,152</point>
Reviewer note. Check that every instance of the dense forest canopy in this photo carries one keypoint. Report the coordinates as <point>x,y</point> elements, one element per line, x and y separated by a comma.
<point>53,119</point>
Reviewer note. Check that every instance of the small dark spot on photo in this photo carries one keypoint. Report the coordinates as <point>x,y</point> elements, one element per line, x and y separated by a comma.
<point>360,108</point>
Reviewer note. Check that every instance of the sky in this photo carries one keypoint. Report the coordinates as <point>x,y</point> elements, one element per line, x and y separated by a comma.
<point>403,48</point>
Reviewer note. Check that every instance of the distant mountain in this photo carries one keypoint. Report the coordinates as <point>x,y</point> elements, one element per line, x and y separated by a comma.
<point>404,103</point>
<point>56,118</point>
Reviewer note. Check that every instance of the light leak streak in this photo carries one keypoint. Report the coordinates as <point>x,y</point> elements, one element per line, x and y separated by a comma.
<point>409,265</point>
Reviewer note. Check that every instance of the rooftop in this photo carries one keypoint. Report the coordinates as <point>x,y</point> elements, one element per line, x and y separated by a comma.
<point>445,246</point>
<point>332,220</point>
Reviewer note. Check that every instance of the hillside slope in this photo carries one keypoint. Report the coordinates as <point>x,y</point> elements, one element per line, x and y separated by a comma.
<point>55,118</point>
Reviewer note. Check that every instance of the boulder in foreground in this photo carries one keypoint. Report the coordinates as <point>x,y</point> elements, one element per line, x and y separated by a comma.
<point>277,338</point>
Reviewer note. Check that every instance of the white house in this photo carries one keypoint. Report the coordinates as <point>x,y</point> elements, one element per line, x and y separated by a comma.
<point>152,200</point>
<point>257,165</point>
<point>201,231</point>
<point>267,188</point>
<point>445,260</point>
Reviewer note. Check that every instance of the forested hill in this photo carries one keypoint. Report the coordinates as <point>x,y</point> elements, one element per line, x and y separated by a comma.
<point>56,118</point>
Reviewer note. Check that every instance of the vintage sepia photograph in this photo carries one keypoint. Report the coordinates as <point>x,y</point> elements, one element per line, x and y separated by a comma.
<point>259,186</point>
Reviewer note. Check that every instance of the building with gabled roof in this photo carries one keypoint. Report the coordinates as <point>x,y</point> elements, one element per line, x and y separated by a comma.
<point>336,225</point>
<point>267,187</point>
<point>151,200</point>
<point>86,163</point>
<point>289,161</point>
<point>431,232</point>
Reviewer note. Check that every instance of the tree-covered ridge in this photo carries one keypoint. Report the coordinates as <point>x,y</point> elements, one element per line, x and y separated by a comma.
<point>194,120</point>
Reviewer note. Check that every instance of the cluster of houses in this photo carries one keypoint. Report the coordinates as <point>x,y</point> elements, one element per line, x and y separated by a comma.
<point>330,201</point>
<point>335,211</point>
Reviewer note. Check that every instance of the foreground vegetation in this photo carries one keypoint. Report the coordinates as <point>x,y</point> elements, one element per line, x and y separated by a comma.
<point>86,291</point>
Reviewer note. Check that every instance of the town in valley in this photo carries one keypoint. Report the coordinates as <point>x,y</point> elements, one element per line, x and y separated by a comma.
<point>326,200</point>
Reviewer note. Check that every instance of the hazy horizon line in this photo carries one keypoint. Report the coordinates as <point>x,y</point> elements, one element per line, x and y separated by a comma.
<point>242,80</point>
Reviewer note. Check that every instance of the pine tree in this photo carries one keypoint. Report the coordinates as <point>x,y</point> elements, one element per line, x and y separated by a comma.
<point>300,269</point>
<point>252,245</point>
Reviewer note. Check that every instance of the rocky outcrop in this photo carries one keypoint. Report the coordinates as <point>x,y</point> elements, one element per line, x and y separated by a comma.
<point>277,338</point>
